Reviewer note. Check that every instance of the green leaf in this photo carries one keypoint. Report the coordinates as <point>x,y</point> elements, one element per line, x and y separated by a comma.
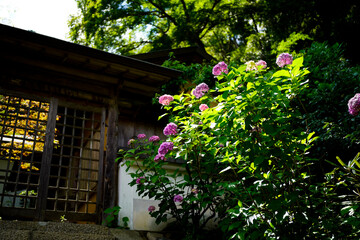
<point>341,162</point>
<point>298,62</point>
<point>160,117</point>
<point>225,169</point>
<point>348,209</point>
<point>250,85</point>
<point>154,178</point>
<point>282,73</point>
<point>178,108</point>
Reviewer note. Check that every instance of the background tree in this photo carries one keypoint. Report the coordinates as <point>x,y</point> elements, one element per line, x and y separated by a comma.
<point>241,30</point>
<point>128,27</point>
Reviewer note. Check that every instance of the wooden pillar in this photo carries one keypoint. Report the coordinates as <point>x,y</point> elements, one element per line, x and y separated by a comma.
<point>46,160</point>
<point>110,183</point>
<point>100,185</point>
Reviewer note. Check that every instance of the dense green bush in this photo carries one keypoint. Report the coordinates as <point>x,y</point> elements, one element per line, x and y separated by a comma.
<point>332,82</point>
<point>246,147</point>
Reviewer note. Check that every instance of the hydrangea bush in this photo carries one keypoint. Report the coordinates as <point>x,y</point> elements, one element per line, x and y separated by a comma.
<point>244,158</point>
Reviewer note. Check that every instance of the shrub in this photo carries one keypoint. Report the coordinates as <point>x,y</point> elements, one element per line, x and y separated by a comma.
<point>247,160</point>
<point>333,82</point>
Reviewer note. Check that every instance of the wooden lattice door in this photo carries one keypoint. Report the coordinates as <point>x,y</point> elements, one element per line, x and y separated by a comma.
<point>51,159</point>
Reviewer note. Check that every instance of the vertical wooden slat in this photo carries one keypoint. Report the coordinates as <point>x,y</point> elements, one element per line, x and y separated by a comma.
<point>79,164</point>
<point>57,195</point>
<point>25,128</point>
<point>46,160</point>
<point>13,146</point>
<point>12,143</point>
<point>111,151</point>
<point>100,185</point>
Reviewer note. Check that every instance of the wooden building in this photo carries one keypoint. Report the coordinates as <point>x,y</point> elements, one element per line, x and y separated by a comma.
<point>65,109</point>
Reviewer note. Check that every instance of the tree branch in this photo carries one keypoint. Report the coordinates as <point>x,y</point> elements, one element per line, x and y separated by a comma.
<point>185,11</point>
<point>207,21</point>
<point>162,10</point>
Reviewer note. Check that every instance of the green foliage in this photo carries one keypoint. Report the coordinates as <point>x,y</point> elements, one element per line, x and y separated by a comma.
<point>196,180</point>
<point>62,218</point>
<point>128,26</point>
<point>193,74</point>
<point>111,218</point>
<point>344,188</point>
<point>254,119</point>
<point>226,29</point>
<point>290,42</point>
<point>332,82</point>
<point>249,158</point>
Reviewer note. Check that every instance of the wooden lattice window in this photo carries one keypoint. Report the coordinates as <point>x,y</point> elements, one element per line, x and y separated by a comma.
<point>22,134</point>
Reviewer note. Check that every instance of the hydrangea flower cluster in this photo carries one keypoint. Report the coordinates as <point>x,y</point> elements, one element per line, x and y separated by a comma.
<point>170,129</point>
<point>178,198</point>
<point>151,208</point>
<point>159,157</point>
<point>194,191</point>
<point>131,141</point>
<point>154,138</point>
<point>261,63</point>
<point>200,90</point>
<point>250,65</point>
<point>203,107</point>
<point>284,59</point>
<point>165,147</point>
<point>141,136</point>
<point>219,68</point>
<point>138,181</point>
<point>354,105</point>
<point>165,99</point>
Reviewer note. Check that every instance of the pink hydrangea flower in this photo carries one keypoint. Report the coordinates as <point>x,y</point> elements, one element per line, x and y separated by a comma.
<point>170,129</point>
<point>138,181</point>
<point>216,70</point>
<point>261,63</point>
<point>165,99</point>
<point>284,59</point>
<point>219,68</point>
<point>178,198</point>
<point>165,147</point>
<point>159,157</point>
<point>131,141</point>
<point>250,65</point>
<point>203,107</point>
<point>151,208</point>
<point>141,136</point>
<point>154,138</point>
<point>194,191</point>
<point>354,105</point>
<point>200,90</point>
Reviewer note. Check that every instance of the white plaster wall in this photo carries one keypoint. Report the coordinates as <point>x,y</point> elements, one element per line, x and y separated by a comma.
<point>136,208</point>
<point>133,206</point>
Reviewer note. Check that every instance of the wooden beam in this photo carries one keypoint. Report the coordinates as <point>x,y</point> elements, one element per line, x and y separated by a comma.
<point>62,69</point>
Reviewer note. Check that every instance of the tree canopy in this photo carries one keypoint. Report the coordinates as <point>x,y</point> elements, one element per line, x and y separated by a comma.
<point>224,28</point>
